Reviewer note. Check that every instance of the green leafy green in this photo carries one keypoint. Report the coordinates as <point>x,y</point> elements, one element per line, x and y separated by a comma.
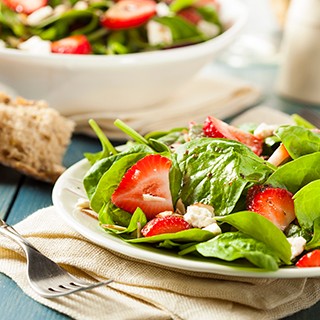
<point>216,172</point>
<point>260,228</point>
<point>296,174</point>
<point>231,246</point>
<point>306,204</point>
<point>138,220</point>
<point>301,122</point>
<point>107,147</point>
<point>315,241</point>
<point>185,236</point>
<point>298,141</point>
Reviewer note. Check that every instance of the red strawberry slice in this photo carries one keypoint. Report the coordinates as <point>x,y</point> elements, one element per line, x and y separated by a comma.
<point>77,44</point>
<point>215,128</point>
<point>310,259</point>
<point>275,204</point>
<point>25,6</point>
<point>129,14</point>
<point>167,224</point>
<point>191,15</point>
<point>145,185</point>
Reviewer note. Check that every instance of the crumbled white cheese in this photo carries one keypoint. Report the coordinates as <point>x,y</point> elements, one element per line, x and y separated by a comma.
<point>162,10</point>
<point>297,245</point>
<point>39,15</point>
<point>158,33</point>
<point>214,228</point>
<point>60,9</point>
<point>264,130</point>
<point>199,216</point>
<point>80,5</point>
<point>150,197</point>
<point>209,29</point>
<point>35,45</point>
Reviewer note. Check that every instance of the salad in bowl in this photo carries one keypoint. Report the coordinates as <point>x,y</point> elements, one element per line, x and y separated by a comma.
<point>246,196</point>
<point>106,26</point>
<point>110,56</point>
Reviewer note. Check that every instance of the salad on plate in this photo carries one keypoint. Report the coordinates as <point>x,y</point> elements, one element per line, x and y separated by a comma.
<point>106,27</point>
<point>248,195</point>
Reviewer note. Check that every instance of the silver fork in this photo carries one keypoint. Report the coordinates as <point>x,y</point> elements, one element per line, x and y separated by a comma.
<point>46,277</point>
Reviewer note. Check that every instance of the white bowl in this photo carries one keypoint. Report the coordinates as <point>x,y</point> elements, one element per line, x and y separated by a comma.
<point>76,84</point>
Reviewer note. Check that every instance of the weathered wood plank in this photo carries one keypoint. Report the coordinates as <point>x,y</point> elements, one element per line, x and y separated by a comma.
<point>9,184</point>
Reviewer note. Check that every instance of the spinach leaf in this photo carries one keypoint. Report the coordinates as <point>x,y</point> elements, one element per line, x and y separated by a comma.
<point>315,241</point>
<point>306,204</point>
<point>138,220</point>
<point>296,174</point>
<point>298,141</point>
<point>168,137</point>
<point>107,147</point>
<point>260,228</point>
<point>185,236</point>
<point>216,171</point>
<point>181,29</point>
<point>301,122</point>
<point>230,246</point>
<point>110,214</point>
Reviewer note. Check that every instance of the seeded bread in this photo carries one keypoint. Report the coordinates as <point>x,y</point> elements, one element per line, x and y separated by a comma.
<point>33,137</point>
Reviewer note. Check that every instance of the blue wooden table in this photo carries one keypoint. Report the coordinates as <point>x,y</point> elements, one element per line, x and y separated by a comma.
<point>20,196</point>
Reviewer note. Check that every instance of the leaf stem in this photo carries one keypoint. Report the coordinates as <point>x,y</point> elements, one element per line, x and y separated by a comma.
<point>104,140</point>
<point>130,132</point>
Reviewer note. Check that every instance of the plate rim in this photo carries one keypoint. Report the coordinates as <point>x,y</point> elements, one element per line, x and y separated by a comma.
<point>115,244</point>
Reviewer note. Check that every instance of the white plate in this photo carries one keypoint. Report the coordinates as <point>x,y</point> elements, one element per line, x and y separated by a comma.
<point>66,193</point>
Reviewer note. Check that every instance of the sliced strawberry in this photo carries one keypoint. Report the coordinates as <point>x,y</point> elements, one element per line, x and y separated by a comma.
<point>275,204</point>
<point>129,14</point>
<point>191,15</point>
<point>310,259</point>
<point>77,44</point>
<point>145,185</point>
<point>215,128</point>
<point>25,6</point>
<point>167,224</point>
<point>279,156</point>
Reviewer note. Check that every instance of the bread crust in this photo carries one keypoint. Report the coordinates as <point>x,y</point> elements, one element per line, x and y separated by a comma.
<point>33,137</point>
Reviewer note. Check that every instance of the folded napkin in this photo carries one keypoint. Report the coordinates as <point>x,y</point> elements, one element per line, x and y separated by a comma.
<point>207,94</point>
<point>147,291</point>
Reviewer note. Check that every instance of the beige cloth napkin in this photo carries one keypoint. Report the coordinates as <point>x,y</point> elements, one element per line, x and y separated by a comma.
<point>145,291</point>
<point>207,94</point>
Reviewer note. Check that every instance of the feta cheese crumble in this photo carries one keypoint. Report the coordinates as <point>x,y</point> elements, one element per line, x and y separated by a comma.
<point>264,130</point>
<point>214,228</point>
<point>39,15</point>
<point>158,33</point>
<point>209,29</point>
<point>297,245</point>
<point>199,215</point>
<point>35,45</point>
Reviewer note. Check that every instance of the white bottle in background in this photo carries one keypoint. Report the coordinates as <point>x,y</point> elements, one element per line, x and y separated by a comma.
<point>299,74</point>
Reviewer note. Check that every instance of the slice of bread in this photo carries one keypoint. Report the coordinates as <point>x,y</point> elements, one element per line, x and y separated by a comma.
<point>33,137</point>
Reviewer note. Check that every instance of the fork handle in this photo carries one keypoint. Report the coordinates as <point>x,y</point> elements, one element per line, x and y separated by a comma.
<point>13,234</point>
